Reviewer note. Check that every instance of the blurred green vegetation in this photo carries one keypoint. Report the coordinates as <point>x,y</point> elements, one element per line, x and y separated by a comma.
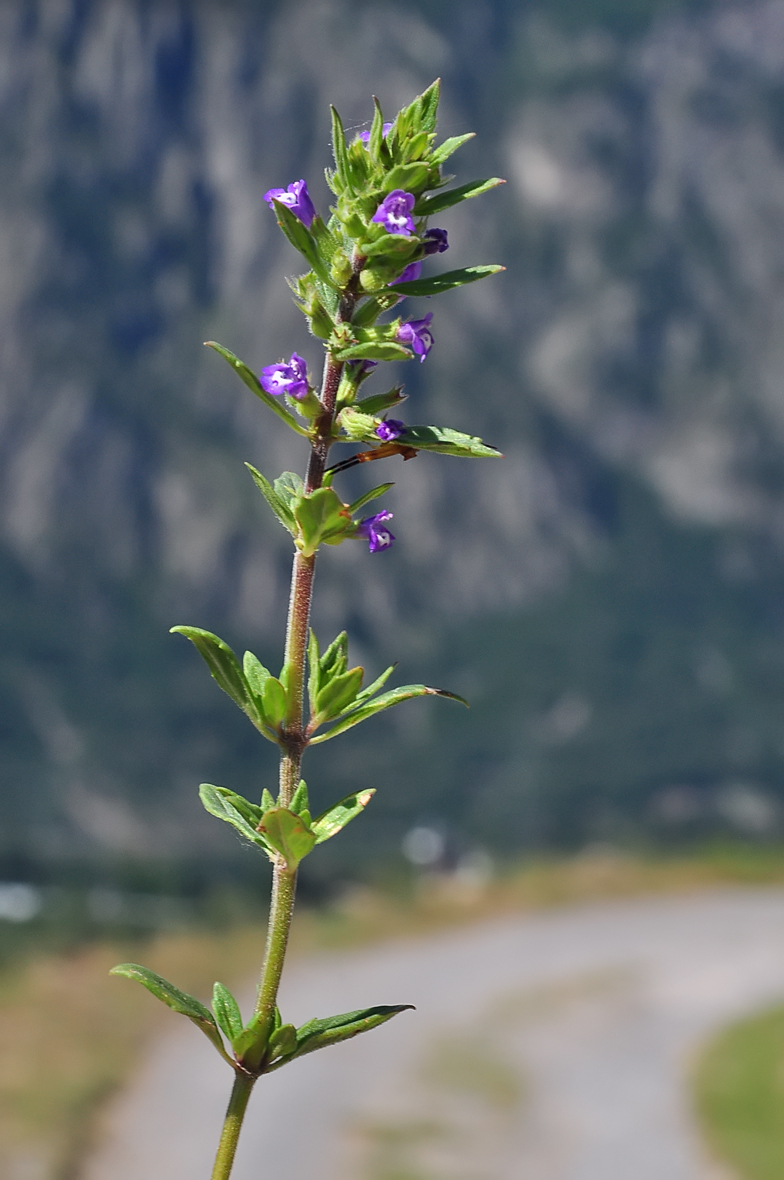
<point>739,1093</point>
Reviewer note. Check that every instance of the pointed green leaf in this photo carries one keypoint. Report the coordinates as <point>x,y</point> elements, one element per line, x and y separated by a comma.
<point>373,688</point>
<point>339,150</point>
<point>376,137</point>
<point>335,659</point>
<point>374,350</point>
<point>299,802</point>
<point>445,149</point>
<point>385,701</point>
<point>283,1042</point>
<point>223,804</point>
<point>447,281</point>
<point>335,818</point>
<point>254,385</point>
<point>222,663</point>
<point>445,441</point>
<point>288,834</point>
<point>427,206</point>
<point>274,702</point>
<point>278,506</point>
<point>176,1000</point>
<point>314,677</point>
<point>267,800</point>
<point>338,694</point>
<point>373,494</point>
<point>320,515</point>
<point>227,1012</point>
<point>408,177</point>
<point>318,1034</point>
<point>256,675</point>
<point>382,401</point>
<point>303,240</point>
<point>429,106</point>
<point>287,487</point>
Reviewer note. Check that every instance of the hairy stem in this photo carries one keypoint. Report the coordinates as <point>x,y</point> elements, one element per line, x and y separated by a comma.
<point>284,879</point>
<point>240,1093</point>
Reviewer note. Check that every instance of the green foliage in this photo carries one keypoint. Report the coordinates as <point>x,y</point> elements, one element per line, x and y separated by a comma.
<point>739,1091</point>
<point>445,441</point>
<point>258,693</point>
<point>318,1034</point>
<point>430,205</point>
<point>227,1013</point>
<point>279,505</point>
<point>335,818</point>
<point>447,281</point>
<point>363,712</point>
<point>288,834</point>
<point>321,516</point>
<point>251,380</point>
<point>175,999</point>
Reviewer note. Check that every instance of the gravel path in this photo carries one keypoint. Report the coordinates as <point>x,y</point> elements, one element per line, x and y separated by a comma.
<point>547,1047</point>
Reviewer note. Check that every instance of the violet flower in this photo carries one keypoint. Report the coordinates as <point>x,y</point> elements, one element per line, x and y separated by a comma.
<point>435,241</point>
<point>291,378</point>
<point>372,527</point>
<point>394,213</point>
<point>412,271</point>
<point>416,335</point>
<point>365,135</point>
<point>297,198</point>
<point>391,429</point>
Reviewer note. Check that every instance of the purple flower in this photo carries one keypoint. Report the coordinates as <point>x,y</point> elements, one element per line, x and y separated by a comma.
<point>390,430</point>
<point>435,241</point>
<point>297,198</point>
<point>394,213</point>
<point>372,527</point>
<point>412,271</point>
<point>291,378</point>
<point>416,335</point>
<point>365,135</point>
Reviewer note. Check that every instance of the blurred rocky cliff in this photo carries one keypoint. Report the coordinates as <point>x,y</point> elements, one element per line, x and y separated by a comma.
<point>629,364</point>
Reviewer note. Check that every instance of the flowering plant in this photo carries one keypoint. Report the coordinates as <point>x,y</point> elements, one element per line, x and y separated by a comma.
<point>362,262</point>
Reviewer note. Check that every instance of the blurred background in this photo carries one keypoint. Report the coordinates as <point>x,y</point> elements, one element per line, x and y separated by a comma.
<point>608,596</point>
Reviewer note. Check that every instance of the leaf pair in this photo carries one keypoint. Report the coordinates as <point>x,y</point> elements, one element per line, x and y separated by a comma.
<point>335,692</point>
<point>290,832</point>
<point>260,695</point>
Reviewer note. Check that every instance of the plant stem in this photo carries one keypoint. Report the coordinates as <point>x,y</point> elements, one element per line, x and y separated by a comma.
<point>240,1093</point>
<point>284,879</point>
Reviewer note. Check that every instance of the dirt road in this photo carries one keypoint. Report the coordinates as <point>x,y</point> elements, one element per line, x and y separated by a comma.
<point>547,1047</point>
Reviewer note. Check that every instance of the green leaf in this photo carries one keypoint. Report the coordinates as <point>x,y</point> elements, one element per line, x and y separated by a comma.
<point>279,506</point>
<point>222,663</point>
<point>267,801</point>
<point>227,1012</point>
<point>408,177</point>
<point>373,688</point>
<point>318,1034</point>
<point>299,802</point>
<point>429,106</point>
<point>385,701</point>
<point>374,350</point>
<point>376,137</point>
<point>288,834</point>
<point>320,515</point>
<point>303,240</point>
<point>314,677</point>
<point>445,149</point>
<point>254,385</point>
<point>256,675</point>
<point>335,659</point>
<point>339,150</point>
<point>382,401</point>
<point>445,282</point>
<point>427,206</point>
<point>282,1043</point>
<point>338,694</point>
<point>373,494</point>
<point>273,702</point>
<point>335,818</point>
<point>235,810</point>
<point>176,1000</point>
<point>287,487</point>
<point>447,442</point>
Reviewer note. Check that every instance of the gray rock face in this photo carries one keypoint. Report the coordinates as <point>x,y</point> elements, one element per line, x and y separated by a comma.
<point>637,329</point>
